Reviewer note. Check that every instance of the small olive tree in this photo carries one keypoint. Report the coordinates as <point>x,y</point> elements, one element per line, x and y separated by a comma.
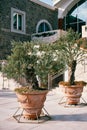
<point>70,50</point>
<point>31,59</point>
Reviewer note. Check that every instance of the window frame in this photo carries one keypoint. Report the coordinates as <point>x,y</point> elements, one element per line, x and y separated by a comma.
<point>43,21</point>
<point>22,13</point>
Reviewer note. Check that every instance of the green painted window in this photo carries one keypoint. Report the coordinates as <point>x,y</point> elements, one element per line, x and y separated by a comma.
<point>43,27</point>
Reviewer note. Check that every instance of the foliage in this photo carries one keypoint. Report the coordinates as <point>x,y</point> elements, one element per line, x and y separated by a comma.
<point>83,42</point>
<point>49,62</point>
<point>45,34</point>
<point>20,61</point>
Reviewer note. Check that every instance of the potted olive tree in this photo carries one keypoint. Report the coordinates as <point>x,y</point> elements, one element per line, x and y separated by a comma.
<point>29,64</point>
<point>70,49</point>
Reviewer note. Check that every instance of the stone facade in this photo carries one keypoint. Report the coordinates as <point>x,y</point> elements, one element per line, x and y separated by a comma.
<point>34,13</point>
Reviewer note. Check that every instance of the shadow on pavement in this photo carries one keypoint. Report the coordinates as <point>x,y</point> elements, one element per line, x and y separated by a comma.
<point>6,93</point>
<point>72,117</point>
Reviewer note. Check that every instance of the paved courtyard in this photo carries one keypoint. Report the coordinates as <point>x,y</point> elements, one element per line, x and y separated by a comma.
<point>62,117</point>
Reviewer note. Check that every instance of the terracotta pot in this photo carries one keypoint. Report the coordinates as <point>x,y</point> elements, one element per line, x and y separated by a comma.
<point>72,94</point>
<point>32,103</point>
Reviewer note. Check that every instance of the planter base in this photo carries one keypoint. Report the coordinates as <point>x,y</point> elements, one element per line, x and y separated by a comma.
<point>63,102</point>
<point>19,116</point>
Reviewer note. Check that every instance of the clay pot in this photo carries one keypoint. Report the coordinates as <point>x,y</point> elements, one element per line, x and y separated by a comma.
<point>32,103</point>
<point>72,93</point>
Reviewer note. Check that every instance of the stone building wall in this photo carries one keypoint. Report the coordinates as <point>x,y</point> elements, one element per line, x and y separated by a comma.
<point>34,13</point>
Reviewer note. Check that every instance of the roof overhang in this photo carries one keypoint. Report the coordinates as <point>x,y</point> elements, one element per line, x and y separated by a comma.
<point>43,4</point>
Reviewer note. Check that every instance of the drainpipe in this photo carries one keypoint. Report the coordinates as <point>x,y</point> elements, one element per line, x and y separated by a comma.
<point>60,23</point>
<point>60,18</point>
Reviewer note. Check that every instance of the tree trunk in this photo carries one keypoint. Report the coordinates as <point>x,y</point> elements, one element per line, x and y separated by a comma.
<point>31,77</point>
<point>72,69</point>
